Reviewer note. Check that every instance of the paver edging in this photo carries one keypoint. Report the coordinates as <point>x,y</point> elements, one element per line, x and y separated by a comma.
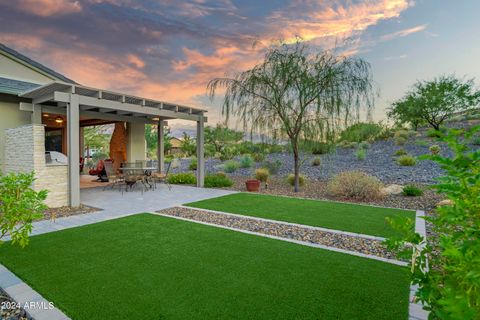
<point>24,295</point>
<point>415,309</point>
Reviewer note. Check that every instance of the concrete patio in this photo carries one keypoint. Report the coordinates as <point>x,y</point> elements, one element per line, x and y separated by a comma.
<point>134,201</point>
<point>115,205</point>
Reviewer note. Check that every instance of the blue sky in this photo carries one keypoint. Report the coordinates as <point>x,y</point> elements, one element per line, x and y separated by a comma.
<point>169,49</point>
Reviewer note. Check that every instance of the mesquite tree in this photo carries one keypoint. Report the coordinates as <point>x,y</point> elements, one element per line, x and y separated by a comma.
<point>297,91</point>
<point>435,101</point>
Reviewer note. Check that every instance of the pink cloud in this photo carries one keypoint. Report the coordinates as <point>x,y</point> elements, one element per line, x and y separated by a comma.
<point>45,8</point>
<point>404,32</point>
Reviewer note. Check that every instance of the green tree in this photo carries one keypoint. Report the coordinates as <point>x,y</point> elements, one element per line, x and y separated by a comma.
<point>95,137</point>
<point>404,111</point>
<point>221,136</point>
<point>297,91</point>
<point>151,137</point>
<point>20,205</point>
<point>447,266</point>
<point>188,145</point>
<point>435,101</point>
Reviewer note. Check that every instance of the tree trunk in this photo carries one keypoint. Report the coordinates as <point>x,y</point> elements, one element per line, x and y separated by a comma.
<point>296,167</point>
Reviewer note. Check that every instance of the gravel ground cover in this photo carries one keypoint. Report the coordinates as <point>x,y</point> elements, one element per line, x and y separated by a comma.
<point>315,189</point>
<point>7,313</point>
<point>327,214</point>
<point>278,229</point>
<point>379,162</point>
<point>54,213</point>
<point>152,267</point>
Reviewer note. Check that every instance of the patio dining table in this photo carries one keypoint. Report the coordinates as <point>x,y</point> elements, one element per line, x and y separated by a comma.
<point>145,171</point>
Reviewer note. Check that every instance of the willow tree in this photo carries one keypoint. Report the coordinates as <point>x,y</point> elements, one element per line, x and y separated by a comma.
<point>297,91</point>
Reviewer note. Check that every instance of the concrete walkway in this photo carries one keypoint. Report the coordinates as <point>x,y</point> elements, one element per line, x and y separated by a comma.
<point>115,205</point>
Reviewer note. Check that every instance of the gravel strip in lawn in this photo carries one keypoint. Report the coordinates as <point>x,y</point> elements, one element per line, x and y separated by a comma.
<point>336,240</point>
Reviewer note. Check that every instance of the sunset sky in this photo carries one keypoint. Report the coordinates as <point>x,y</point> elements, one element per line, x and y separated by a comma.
<point>170,49</point>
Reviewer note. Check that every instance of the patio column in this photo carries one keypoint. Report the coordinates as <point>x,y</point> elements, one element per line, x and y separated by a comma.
<point>36,114</point>
<point>161,146</point>
<point>200,153</point>
<point>73,136</point>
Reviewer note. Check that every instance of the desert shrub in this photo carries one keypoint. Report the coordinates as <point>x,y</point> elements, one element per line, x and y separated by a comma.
<point>449,286</point>
<point>355,185</point>
<point>361,154</point>
<point>432,133</point>
<point>400,141</point>
<point>411,191</point>
<point>182,178</point>
<point>217,181</point>
<point>301,179</point>
<point>316,161</point>
<point>322,148</point>
<point>348,144</point>
<point>231,166</point>
<point>364,145</point>
<point>276,148</point>
<point>421,143</point>
<point>272,166</point>
<point>221,174</point>
<point>258,157</point>
<point>262,174</point>
<point>20,205</point>
<point>363,132</point>
<point>403,134</point>
<point>246,161</point>
<point>246,147</point>
<point>435,149</point>
<point>406,160</point>
<point>400,152</point>
<point>476,141</point>
<point>228,153</point>
<point>193,164</point>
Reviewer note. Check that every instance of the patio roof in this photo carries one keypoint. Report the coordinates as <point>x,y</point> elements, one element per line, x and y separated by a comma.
<point>109,104</point>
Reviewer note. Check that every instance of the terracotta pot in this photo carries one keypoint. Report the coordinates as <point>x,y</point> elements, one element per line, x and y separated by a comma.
<point>252,185</point>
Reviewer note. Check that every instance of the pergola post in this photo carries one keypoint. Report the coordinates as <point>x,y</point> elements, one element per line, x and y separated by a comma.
<point>73,131</point>
<point>200,152</point>
<point>161,146</point>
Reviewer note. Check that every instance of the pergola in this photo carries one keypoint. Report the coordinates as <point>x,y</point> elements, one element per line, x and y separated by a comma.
<point>75,100</point>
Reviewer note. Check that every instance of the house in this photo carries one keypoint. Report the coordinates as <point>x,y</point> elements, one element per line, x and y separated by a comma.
<point>41,110</point>
<point>176,147</point>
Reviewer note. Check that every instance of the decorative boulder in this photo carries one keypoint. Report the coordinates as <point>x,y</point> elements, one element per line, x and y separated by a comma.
<point>446,202</point>
<point>392,189</point>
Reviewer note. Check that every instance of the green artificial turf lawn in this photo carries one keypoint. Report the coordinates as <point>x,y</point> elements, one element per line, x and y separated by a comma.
<point>151,267</point>
<point>333,215</point>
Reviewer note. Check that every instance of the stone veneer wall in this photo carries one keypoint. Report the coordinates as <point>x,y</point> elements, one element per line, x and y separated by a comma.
<point>25,152</point>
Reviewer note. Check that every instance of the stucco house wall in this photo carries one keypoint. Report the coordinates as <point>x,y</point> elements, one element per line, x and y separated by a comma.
<point>10,117</point>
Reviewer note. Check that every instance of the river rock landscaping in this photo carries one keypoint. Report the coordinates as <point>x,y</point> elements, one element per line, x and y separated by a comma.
<point>361,244</point>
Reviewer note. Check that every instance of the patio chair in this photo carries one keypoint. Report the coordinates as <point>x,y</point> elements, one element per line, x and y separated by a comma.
<point>132,181</point>
<point>162,177</point>
<point>112,176</point>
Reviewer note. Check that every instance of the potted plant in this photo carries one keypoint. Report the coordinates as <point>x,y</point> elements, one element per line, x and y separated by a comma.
<point>253,185</point>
